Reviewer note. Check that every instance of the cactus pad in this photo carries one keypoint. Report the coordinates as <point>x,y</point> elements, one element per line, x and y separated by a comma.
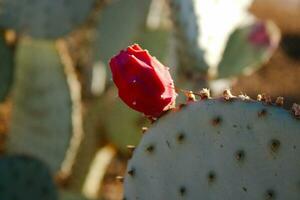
<point>44,18</point>
<point>250,55</point>
<point>218,149</point>
<point>41,118</point>
<point>25,178</point>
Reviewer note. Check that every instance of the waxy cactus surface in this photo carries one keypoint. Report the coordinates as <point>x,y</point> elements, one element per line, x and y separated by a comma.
<point>216,149</point>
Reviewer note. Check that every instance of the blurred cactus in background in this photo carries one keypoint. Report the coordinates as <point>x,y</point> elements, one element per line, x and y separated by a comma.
<point>213,41</point>
<point>67,127</point>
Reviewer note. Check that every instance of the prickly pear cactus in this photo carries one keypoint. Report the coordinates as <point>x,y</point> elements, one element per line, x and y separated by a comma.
<point>25,178</point>
<point>44,18</point>
<point>228,148</point>
<point>248,48</point>
<point>129,123</point>
<point>6,66</point>
<point>41,122</point>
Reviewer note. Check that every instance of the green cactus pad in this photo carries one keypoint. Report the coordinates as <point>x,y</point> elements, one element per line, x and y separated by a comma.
<point>6,67</point>
<point>25,178</point>
<point>44,18</point>
<point>41,122</point>
<point>218,149</point>
<point>121,125</point>
<point>119,24</point>
<point>241,56</point>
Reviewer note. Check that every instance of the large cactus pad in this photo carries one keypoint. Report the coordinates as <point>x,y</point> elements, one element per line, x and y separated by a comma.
<point>218,149</point>
<point>42,114</point>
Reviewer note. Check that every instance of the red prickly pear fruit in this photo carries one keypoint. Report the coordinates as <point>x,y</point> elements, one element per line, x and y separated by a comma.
<point>143,83</point>
<point>259,35</point>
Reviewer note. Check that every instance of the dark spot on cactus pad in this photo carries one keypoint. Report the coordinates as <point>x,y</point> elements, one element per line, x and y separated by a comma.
<point>131,172</point>
<point>275,145</point>
<point>249,127</point>
<point>221,145</point>
<point>270,195</point>
<point>245,189</point>
<point>234,126</point>
<point>180,137</point>
<point>182,190</point>
<point>211,176</point>
<point>294,147</point>
<point>216,121</point>
<point>168,144</point>
<point>262,112</point>
<point>240,155</point>
<point>150,148</point>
